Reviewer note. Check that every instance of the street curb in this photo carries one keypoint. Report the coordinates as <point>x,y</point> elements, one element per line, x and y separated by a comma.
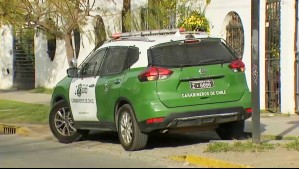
<point>11,129</point>
<point>207,162</point>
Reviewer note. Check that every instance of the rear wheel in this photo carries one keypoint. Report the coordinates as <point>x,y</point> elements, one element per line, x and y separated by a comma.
<point>129,134</point>
<point>232,130</point>
<point>62,124</point>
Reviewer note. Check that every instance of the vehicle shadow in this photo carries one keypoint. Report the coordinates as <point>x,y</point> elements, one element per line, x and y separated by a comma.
<point>158,140</point>
<point>103,137</point>
<point>180,139</point>
<point>172,139</point>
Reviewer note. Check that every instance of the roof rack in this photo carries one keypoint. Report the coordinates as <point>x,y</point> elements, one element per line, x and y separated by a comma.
<point>126,35</point>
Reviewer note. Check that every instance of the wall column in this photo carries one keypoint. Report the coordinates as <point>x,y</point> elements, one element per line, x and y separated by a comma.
<point>287,56</point>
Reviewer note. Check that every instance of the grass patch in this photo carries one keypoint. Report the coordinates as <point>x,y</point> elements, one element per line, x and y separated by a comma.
<point>291,138</point>
<point>273,137</point>
<point>238,146</point>
<point>293,145</point>
<point>42,90</point>
<point>17,112</point>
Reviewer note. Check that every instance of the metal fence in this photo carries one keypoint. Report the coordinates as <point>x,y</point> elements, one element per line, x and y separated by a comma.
<point>24,60</point>
<point>272,57</point>
<point>235,33</point>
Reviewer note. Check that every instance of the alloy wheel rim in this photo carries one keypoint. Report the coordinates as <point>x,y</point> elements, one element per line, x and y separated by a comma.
<point>64,122</point>
<point>126,128</point>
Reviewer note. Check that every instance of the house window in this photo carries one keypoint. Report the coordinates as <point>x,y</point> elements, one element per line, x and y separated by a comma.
<point>235,33</point>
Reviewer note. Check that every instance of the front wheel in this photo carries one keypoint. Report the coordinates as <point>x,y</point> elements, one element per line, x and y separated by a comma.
<point>62,124</point>
<point>129,134</point>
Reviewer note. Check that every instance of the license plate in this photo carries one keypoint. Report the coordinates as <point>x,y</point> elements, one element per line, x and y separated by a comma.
<point>202,84</point>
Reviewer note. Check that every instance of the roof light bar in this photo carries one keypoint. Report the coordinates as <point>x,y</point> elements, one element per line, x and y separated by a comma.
<point>155,32</point>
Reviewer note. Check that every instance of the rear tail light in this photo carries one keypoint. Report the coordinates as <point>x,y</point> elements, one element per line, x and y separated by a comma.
<point>155,120</point>
<point>237,65</point>
<point>248,110</point>
<point>154,73</point>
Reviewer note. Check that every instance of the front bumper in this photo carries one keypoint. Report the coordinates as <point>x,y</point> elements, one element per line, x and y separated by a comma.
<point>197,119</point>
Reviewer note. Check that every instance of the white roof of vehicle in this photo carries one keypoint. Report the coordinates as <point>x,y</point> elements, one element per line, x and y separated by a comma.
<point>144,45</point>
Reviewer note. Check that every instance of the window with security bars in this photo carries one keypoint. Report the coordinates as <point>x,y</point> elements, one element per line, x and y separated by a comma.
<point>235,33</point>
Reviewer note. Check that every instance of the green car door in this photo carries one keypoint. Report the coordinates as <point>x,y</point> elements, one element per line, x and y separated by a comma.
<point>82,89</point>
<point>112,73</point>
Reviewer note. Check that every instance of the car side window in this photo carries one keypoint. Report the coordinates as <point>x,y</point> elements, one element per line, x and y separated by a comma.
<point>115,60</point>
<point>133,57</point>
<point>91,66</point>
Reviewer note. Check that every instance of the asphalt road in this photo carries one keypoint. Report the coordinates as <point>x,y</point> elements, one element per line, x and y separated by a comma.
<point>20,152</point>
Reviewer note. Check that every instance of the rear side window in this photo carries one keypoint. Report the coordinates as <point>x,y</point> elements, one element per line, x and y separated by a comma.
<point>181,54</point>
<point>133,57</point>
<point>115,60</point>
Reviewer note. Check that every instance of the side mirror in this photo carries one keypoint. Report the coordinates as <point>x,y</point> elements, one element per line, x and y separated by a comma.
<point>72,72</point>
<point>73,62</point>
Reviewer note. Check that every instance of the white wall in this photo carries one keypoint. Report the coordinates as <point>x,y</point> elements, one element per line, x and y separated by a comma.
<point>287,55</point>
<point>6,58</point>
<point>49,73</point>
<point>217,12</point>
<point>262,54</point>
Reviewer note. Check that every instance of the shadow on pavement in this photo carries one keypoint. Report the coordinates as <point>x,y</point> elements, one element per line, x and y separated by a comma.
<point>159,140</point>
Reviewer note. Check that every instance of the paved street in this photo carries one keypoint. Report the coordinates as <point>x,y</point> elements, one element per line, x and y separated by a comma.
<point>20,152</point>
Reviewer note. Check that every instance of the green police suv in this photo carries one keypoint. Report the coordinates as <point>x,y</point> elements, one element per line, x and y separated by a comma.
<point>139,83</point>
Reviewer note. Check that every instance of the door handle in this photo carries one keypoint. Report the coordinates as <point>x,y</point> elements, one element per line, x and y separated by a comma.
<point>117,81</point>
<point>106,89</point>
<point>91,86</point>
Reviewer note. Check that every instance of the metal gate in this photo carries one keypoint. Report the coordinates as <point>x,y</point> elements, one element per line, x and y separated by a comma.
<point>235,33</point>
<point>273,55</point>
<point>24,62</point>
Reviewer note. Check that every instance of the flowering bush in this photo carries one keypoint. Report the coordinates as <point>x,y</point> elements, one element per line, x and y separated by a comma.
<point>195,21</point>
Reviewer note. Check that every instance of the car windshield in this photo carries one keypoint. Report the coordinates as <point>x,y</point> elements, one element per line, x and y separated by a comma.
<point>203,52</point>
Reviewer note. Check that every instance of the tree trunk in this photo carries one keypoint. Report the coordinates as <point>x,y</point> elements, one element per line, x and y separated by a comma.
<point>126,10</point>
<point>69,47</point>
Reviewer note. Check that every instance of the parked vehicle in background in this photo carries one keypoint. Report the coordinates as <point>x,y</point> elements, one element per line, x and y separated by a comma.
<point>163,80</point>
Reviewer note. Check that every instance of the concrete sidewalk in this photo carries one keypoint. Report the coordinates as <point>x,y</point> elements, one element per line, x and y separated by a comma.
<point>25,96</point>
<point>277,125</point>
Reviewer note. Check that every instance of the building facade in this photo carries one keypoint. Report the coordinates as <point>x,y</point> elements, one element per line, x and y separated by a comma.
<point>231,21</point>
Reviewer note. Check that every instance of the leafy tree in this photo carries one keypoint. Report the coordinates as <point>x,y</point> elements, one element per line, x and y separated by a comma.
<point>163,14</point>
<point>9,14</point>
<point>59,18</point>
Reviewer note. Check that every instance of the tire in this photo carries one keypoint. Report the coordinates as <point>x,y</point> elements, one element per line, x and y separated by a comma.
<point>231,131</point>
<point>61,124</point>
<point>130,136</point>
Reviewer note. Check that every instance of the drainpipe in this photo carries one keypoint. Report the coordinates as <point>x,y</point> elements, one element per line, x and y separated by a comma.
<point>297,58</point>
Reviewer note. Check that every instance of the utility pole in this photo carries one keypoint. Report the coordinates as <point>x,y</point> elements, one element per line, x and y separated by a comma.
<point>255,70</point>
